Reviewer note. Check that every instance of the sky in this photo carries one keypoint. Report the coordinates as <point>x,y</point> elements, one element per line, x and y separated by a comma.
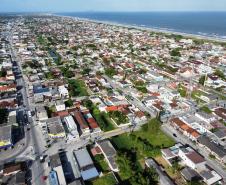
<point>110,5</point>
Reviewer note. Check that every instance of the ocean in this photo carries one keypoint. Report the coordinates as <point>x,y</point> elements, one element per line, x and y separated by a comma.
<point>210,24</point>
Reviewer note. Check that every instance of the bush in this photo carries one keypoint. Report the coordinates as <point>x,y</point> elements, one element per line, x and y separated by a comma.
<point>77,88</point>
<point>110,72</point>
<point>69,103</point>
<point>118,117</point>
<point>202,79</point>
<point>3,115</point>
<point>101,117</point>
<point>175,52</point>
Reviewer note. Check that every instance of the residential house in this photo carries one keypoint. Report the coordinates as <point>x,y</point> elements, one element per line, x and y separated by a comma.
<point>60,105</point>
<point>84,128</point>
<point>109,153</point>
<point>56,166</point>
<point>71,127</point>
<point>86,166</point>
<point>55,128</point>
<point>41,113</point>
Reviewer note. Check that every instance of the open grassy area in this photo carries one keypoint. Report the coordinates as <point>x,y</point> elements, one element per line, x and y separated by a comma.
<point>149,133</point>
<point>77,88</point>
<point>134,147</point>
<point>108,179</point>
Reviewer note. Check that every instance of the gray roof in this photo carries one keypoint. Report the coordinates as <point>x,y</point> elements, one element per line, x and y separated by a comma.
<point>206,174</point>
<point>107,148</point>
<point>220,133</point>
<point>150,98</point>
<point>53,120</point>
<point>5,133</point>
<point>163,177</point>
<point>55,160</point>
<point>109,151</point>
<point>40,109</point>
<point>220,151</point>
<point>205,115</point>
<point>20,178</point>
<point>189,174</point>
<point>83,158</point>
<point>55,125</point>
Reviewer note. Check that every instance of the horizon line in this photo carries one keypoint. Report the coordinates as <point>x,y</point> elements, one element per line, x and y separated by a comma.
<point>125,11</point>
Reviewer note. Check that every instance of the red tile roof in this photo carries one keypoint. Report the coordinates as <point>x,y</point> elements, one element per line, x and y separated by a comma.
<point>61,113</point>
<point>92,123</point>
<point>80,119</point>
<point>111,108</point>
<point>195,157</point>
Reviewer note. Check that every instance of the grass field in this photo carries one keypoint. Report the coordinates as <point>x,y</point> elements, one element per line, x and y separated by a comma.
<point>150,132</point>
<point>133,148</point>
<point>108,179</point>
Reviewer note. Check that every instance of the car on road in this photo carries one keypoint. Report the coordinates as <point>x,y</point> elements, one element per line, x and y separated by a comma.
<point>42,159</point>
<point>61,150</point>
<point>174,135</point>
<point>29,114</point>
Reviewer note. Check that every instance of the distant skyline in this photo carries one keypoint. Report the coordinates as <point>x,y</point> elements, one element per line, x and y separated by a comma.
<point>110,5</point>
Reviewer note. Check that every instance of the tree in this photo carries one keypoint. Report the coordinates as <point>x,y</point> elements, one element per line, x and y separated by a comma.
<point>3,115</point>
<point>110,72</point>
<point>175,52</point>
<point>220,74</point>
<point>69,103</point>
<point>202,80</point>
<point>86,71</point>
<point>206,109</point>
<point>2,73</point>
<point>119,117</point>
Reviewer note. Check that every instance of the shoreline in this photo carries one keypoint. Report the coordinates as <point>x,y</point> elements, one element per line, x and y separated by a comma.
<point>145,28</point>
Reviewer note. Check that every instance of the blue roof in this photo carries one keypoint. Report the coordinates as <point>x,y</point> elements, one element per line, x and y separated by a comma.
<point>39,89</point>
<point>53,180</point>
<point>89,174</point>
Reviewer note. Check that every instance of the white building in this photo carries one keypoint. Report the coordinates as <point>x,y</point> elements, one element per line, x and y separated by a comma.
<point>191,158</point>
<point>60,106</point>
<point>72,127</point>
<point>208,118</point>
<point>63,91</point>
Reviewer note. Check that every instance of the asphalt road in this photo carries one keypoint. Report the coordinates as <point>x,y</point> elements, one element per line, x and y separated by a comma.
<point>31,136</point>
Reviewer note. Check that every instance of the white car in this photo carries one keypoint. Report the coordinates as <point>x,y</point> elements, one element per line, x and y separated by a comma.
<point>29,113</point>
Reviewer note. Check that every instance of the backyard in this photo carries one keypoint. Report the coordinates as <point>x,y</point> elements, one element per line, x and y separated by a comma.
<point>102,118</point>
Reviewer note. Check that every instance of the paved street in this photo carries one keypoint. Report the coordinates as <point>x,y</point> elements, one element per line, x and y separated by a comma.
<point>33,144</point>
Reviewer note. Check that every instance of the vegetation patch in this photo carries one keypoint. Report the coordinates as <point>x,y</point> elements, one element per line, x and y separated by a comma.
<point>77,88</point>
<point>148,141</point>
<point>108,179</point>
<point>102,118</point>
<point>100,163</point>
<point>118,117</point>
<point>110,72</point>
<point>206,109</point>
<point>3,116</point>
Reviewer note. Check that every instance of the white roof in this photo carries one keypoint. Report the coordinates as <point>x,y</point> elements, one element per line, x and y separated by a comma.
<point>72,127</point>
